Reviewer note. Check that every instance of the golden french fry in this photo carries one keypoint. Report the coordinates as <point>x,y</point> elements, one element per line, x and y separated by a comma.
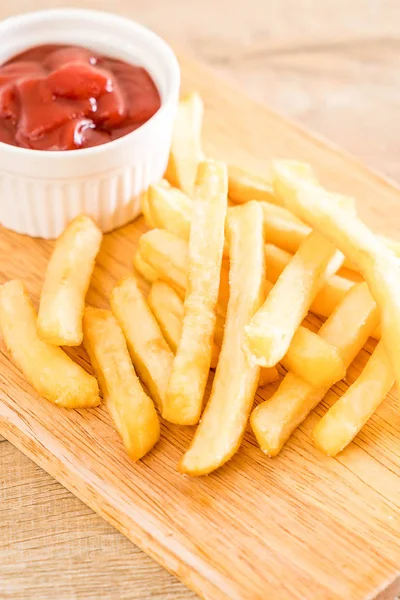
<point>349,274</point>
<point>267,375</point>
<point>221,429</point>
<point>244,187</point>
<point>150,353</point>
<point>184,396</point>
<point>392,245</point>
<point>146,210</point>
<point>376,263</point>
<point>131,409</point>
<point>168,255</point>
<point>167,307</point>
<point>327,299</point>
<point>333,292</point>
<point>270,331</point>
<point>186,151</point>
<point>283,230</point>
<point>143,268</point>
<point>171,209</point>
<point>339,426</point>
<point>314,359</point>
<point>48,369</point>
<point>348,328</point>
<point>66,283</point>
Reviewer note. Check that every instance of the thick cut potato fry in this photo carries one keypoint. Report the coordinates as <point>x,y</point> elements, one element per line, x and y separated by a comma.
<point>222,426</point>
<point>298,356</point>
<point>376,263</point>
<point>131,409</point>
<point>184,397</point>
<point>339,426</point>
<point>186,151</point>
<point>267,375</point>
<point>48,369</point>
<point>348,328</point>
<point>146,210</point>
<point>171,209</point>
<point>286,233</point>
<point>327,299</point>
<point>168,255</point>
<point>270,331</point>
<point>284,230</point>
<point>314,359</point>
<point>144,269</point>
<point>66,283</point>
<point>167,307</point>
<point>244,187</point>
<point>150,353</point>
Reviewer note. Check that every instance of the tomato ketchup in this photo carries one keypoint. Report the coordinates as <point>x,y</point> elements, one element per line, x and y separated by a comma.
<point>56,97</point>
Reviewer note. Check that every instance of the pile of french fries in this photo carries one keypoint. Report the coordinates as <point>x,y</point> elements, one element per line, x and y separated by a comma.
<point>235,263</point>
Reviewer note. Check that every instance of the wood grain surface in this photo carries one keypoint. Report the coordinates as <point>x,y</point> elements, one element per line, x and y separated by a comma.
<point>257,528</point>
<point>333,66</point>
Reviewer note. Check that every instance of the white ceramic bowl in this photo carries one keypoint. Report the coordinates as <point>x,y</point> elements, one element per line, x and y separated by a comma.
<point>41,191</point>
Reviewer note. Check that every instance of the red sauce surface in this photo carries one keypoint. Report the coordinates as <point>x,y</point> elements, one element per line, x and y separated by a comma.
<point>56,97</point>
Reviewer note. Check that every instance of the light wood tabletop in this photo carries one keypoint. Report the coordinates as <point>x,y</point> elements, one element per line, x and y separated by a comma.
<point>332,66</point>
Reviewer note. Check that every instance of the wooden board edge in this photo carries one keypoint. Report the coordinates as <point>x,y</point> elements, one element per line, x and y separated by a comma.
<point>316,138</point>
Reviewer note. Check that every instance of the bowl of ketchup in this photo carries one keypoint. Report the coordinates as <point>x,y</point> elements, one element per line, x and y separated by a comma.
<point>87,103</point>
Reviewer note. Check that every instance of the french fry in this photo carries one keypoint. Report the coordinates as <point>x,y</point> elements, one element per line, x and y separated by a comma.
<point>300,357</point>
<point>267,376</point>
<point>350,274</point>
<point>339,426</point>
<point>167,307</point>
<point>150,353</point>
<point>131,409</point>
<point>270,331</point>
<point>244,187</point>
<point>314,359</point>
<point>285,232</point>
<point>221,429</point>
<point>171,209</point>
<point>66,283</point>
<point>184,396</point>
<point>376,263</point>
<point>186,151</point>
<point>168,255</point>
<point>348,328</point>
<point>146,210</point>
<point>327,299</point>
<point>47,368</point>
<point>144,269</point>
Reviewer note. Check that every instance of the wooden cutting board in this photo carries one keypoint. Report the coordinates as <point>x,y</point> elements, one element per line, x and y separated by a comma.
<point>300,526</point>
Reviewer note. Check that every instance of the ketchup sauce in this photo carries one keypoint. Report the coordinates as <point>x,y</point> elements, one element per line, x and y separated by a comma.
<point>56,97</point>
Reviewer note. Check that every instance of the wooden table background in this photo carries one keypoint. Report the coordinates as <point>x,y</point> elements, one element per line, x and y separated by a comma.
<point>333,66</point>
